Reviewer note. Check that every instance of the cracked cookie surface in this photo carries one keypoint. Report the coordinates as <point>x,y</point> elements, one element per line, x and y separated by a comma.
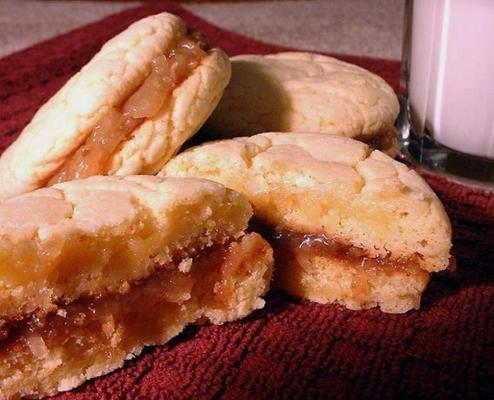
<point>60,243</point>
<point>373,229</point>
<point>304,92</point>
<point>99,268</point>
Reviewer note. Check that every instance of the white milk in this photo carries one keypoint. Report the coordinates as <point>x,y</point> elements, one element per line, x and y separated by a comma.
<point>451,86</point>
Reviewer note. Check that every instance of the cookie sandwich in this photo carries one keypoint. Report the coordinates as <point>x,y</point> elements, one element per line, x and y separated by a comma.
<point>305,92</point>
<point>126,112</point>
<point>347,224</point>
<point>95,269</point>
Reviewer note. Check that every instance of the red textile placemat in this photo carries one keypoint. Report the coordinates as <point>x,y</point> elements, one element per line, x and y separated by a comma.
<point>295,349</point>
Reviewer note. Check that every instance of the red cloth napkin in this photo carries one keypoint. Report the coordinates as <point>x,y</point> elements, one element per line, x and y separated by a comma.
<point>295,349</point>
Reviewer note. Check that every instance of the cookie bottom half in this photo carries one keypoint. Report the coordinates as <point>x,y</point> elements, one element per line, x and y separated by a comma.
<point>319,269</point>
<point>91,337</point>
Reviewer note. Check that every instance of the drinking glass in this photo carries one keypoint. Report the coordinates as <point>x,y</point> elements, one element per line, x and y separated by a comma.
<point>446,124</point>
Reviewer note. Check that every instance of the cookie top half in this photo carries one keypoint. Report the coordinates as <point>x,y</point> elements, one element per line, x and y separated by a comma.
<point>126,112</point>
<point>303,92</point>
<point>332,185</point>
<point>57,243</point>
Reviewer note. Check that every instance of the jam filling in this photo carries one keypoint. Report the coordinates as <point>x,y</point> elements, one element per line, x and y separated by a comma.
<point>207,279</point>
<point>384,142</point>
<point>304,247</point>
<point>167,72</point>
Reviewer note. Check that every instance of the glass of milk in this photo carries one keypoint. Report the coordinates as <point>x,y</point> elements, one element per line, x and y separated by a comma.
<point>447,78</point>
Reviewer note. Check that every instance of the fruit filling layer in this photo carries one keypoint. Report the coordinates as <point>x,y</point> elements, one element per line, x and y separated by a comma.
<point>141,316</point>
<point>167,72</point>
<point>385,142</point>
<point>302,248</point>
